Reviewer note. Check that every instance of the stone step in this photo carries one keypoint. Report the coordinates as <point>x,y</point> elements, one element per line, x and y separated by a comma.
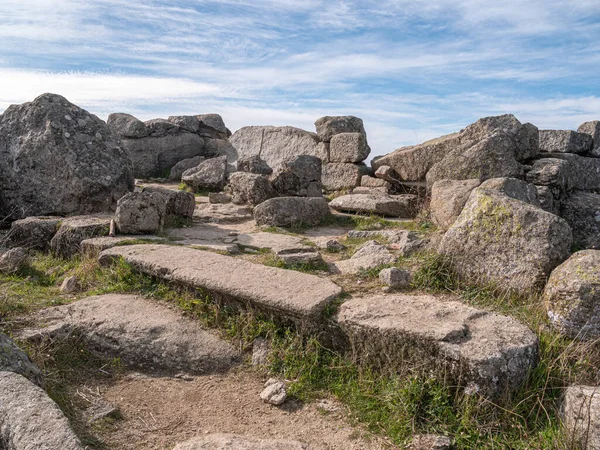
<point>483,351</point>
<point>145,334</point>
<point>287,294</point>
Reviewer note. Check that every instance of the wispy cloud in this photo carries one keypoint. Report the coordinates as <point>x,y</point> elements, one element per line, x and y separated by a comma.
<point>412,69</point>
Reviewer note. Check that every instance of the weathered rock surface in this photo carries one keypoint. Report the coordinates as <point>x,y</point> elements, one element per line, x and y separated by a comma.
<point>70,285</point>
<point>30,420</point>
<point>582,416</point>
<point>300,176</point>
<point>12,260</point>
<point>565,141</point>
<point>513,188</point>
<point>250,188</point>
<point>141,212</point>
<point>329,126</point>
<point>547,199</point>
<point>189,163</point>
<point>448,198</point>
<point>372,182</point>
<point>300,258</point>
<point>291,211</point>
<point>219,198</point>
<point>341,176</point>
<point>73,230</point>
<point>572,295</point>
<point>492,157</point>
<point>593,129</point>
<point>274,144</point>
<point>58,159</point>
<point>13,359</point>
<point>259,286</point>
<point>497,239</point>
<point>348,148</point>
<point>404,206</point>
<point>566,171</point>
<point>164,143</point>
<point>230,441</point>
<point>254,164</point>
<point>368,256</point>
<point>159,339</point>
<point>212,126</point>
<point>127,125</point>
<point>94,246</point>
<point>484,351</point>
<point>33,232</point>
<point>519,142</point>
<point>412,163</point>
<point>180,204</point>
<point>581,210</point>
<point>209,174</point>
<point>222,213</point>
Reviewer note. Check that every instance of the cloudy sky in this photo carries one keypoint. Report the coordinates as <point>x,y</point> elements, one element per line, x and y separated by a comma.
<point>412,70</point>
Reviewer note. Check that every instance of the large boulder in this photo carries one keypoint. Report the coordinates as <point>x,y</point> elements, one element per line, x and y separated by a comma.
<point>343,176</point>
<point>180,204</point>
<point>126,125</point>
<point>448,197</point>
<point>565,141</point>
<point>513,188</point>
<point>581,210</point>
<point>212,126</point>
<point>582,416</point>
<point>572,295</point>
<point>13,359</point>
<point>300,176</point>
<point>291,211</point>
<point>12,260</point>
<point>414,162</point>
<point>507,242</point>
<point>274,145</point>
<point>492,157</point>
<point>58,159</point>
<point>348,148</point>
<point>404,206</point>
<point>209,174</point>
<point>250,188</point>
<point>593,129</point>
<point>329,126</point>
<point>33,232</point>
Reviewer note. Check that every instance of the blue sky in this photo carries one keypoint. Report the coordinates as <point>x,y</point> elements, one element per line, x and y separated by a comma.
<point>412,70</point>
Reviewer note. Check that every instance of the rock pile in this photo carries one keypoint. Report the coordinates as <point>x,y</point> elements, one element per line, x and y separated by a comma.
<point>156,146</point>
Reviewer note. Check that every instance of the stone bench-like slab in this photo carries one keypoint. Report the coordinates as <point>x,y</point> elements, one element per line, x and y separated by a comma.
<point>287,294</point>
<point>145,334</point>
<point>29,419</point>
<point>483,351</point>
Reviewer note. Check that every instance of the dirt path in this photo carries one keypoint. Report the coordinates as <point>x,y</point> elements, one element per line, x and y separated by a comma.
<point>160,412</point>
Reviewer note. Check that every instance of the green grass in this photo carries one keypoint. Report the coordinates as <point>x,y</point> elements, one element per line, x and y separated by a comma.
<point>395,402</point>
<point>272,261</point>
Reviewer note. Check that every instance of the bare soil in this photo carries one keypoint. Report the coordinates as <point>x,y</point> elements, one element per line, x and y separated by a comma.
<point>158,413</point>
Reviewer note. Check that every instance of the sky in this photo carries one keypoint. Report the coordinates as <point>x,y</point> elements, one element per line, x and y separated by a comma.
<point>412,70</point>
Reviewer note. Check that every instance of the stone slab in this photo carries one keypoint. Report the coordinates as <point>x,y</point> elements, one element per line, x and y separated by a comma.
<point>291,294</point>
<point>483,351</point>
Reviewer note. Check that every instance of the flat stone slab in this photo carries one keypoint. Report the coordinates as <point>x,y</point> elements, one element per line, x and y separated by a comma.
<point>276,242</point>
<point>144,333</point>
<point>483,351</point>
<point>288,293</point>
<point>232,441</point>
<point>29,419</point>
